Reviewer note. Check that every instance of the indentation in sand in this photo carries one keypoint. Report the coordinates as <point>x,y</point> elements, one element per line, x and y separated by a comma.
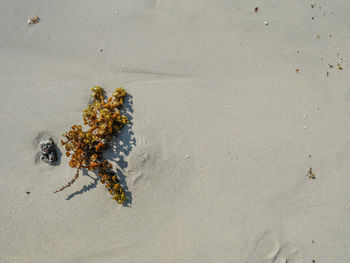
<point>144,157</point>
<point>268,249</point>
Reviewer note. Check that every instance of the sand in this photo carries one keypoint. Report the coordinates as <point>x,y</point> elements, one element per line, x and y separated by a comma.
<point>223,130</point>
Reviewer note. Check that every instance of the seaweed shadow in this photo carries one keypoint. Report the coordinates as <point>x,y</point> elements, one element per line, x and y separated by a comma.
<point>85,188</point>
<point>119,148</point>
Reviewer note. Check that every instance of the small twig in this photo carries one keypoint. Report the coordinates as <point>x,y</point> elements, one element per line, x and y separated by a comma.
<point>69,184</point>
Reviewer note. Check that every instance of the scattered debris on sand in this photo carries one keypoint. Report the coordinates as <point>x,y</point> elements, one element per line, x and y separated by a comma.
<point>48,151</point>
<point>256,9</point>
<point>33,20</point>
<point>311,174</point>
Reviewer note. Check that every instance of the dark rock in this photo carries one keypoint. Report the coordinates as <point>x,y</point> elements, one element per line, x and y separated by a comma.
<point>48,151</point>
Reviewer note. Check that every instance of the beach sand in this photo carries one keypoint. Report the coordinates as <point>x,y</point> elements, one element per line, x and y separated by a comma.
<point>223,130</point>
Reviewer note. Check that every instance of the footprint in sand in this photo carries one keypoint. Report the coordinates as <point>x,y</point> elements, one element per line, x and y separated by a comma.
<point>144,157</point>
<point>142,153</point>
<point>267,249</point>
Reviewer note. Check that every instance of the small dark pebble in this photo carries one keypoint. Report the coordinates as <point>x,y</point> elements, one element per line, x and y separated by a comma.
<point>48,151</point>
<point>27,193</point>
<point>256,9</point>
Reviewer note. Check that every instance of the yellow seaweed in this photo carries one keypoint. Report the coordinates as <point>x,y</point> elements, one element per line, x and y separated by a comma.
<point>84,148</point>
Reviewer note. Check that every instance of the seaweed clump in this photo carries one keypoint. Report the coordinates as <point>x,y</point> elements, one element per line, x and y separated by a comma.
<point>85,148</point>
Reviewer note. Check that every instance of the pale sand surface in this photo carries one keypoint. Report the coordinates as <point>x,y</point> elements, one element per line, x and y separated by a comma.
<point>217,153</point>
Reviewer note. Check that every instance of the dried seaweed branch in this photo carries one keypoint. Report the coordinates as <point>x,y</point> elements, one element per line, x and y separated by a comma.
<point>84,148</point>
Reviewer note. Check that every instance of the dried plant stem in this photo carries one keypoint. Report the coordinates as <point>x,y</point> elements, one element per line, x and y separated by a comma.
<point>70,183</point>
